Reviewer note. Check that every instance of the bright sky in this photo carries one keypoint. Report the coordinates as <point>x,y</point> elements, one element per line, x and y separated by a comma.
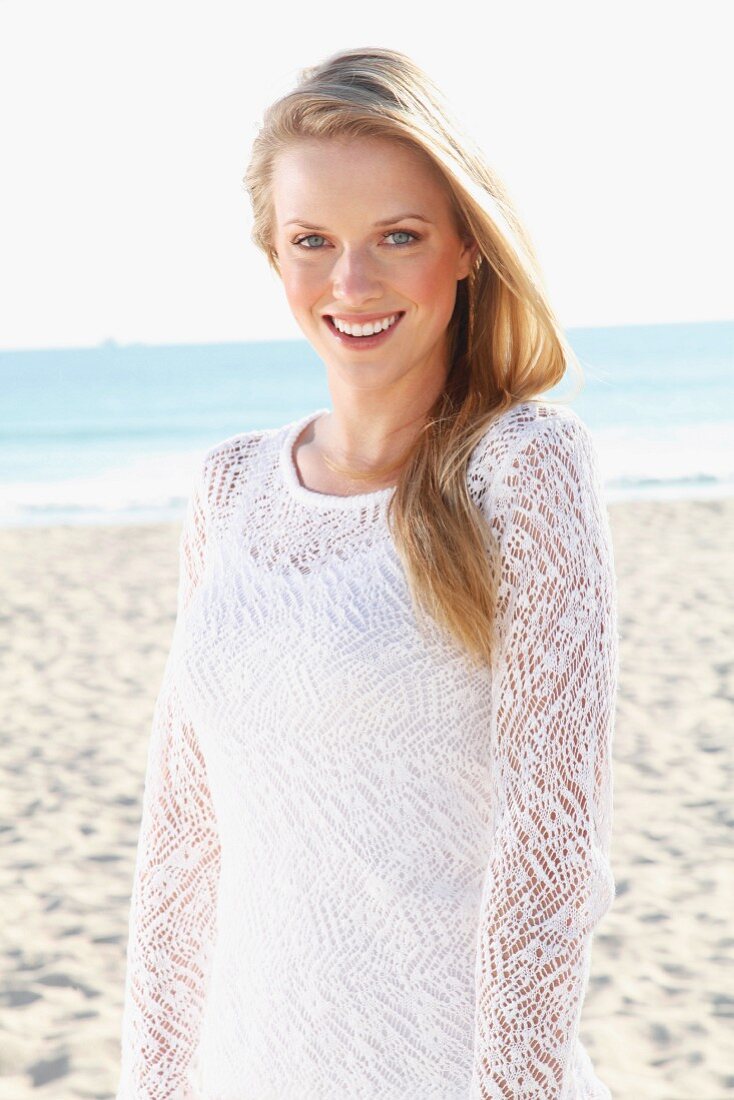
<point>126,131</point>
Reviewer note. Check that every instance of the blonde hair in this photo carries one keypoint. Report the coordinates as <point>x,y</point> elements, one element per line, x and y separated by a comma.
<point>505,344</point>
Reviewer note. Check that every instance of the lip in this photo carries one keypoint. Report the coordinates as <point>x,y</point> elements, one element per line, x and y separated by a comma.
<point>362,318</point>
<point>364,342</point>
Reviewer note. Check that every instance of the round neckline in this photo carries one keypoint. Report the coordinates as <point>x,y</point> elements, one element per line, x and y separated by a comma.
<point>311,496</point>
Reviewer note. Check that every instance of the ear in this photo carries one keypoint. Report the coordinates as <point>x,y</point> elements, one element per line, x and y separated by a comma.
<point>467,258</point>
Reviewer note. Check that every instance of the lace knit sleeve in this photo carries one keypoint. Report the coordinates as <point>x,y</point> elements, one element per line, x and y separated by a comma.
<point>172,910</point>
<point>548,881</point>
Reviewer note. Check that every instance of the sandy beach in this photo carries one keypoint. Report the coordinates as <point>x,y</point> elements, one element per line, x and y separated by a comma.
<point>87,615</point>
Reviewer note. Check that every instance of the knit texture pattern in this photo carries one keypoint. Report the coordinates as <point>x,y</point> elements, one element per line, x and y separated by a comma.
<point>367,868</point>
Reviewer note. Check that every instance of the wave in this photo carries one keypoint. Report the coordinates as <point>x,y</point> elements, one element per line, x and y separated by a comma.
<point>688,462</point>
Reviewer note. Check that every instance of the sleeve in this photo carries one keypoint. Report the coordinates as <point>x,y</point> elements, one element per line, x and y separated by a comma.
<point>554,671</point>
<point>171,930</point>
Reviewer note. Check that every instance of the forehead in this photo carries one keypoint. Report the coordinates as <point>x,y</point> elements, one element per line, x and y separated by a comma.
<point>312,176</point>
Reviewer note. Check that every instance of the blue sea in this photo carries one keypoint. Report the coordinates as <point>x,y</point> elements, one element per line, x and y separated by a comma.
<point>112,434</point>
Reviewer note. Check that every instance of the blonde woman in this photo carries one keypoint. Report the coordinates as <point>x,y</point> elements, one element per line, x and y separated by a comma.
<point>377,811</point>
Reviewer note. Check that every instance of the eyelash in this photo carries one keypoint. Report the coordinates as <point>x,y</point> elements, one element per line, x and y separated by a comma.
<point>406,244</point>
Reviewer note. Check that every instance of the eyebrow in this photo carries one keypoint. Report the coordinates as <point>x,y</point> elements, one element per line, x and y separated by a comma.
<point>385,221</point>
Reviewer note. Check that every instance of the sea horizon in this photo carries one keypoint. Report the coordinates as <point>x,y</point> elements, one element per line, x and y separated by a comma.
<point>112,433</point>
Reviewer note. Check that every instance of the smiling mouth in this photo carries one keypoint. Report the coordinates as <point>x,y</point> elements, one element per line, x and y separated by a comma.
<point>366,341</point>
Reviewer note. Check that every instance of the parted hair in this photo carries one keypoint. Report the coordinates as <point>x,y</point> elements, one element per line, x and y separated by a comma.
<point>505,343</point>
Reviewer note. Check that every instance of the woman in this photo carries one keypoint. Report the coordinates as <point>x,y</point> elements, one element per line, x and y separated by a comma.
<point>377,811</point>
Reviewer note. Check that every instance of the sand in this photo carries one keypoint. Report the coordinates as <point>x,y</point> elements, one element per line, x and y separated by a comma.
<point>86,618</point>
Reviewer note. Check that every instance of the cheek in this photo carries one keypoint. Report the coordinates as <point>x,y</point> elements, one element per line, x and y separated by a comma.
<point>435,282</point>
<point>301,285</point>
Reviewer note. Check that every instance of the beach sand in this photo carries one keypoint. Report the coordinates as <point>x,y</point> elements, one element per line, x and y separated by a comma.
<point>87,616</point>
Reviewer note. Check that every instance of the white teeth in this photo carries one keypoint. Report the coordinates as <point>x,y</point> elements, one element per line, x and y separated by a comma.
<point>368,329</point>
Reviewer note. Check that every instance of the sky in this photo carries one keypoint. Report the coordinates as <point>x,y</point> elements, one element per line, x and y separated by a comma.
<point>127,126</point>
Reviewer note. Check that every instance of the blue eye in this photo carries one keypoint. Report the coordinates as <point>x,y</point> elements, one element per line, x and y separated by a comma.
<point>393,233</point>
<point>404,233</point>
<point>309,237</point>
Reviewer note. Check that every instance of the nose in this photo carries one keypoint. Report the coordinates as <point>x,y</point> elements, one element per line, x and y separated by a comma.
<point>354,277</point>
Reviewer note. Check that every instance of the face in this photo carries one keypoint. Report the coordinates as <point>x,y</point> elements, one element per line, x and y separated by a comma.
<point>350,245</point>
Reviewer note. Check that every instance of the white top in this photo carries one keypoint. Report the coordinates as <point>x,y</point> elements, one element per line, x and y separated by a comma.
<point>367,869</point>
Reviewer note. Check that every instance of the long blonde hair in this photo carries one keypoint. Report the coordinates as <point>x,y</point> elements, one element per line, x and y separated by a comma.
<point>505,344</point>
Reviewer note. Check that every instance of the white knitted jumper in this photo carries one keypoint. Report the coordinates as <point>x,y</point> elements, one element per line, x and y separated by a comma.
<point>367,868</point>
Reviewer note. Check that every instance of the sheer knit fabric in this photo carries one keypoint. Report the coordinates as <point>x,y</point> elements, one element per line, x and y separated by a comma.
<point>366,868</point>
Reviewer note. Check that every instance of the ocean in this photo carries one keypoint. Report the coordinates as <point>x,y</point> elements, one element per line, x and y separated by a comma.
<point>113,433</point>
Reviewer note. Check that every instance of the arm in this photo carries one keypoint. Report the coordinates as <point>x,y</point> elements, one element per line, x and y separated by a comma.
<point>172,910</point>
<point>554,672</point>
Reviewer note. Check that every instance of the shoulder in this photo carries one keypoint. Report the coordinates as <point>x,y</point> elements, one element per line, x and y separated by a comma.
<point>225,467</point>
<point>528,419</point>
<point>532,436</point>
<point>545,490</point>
<point>540,479</point>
